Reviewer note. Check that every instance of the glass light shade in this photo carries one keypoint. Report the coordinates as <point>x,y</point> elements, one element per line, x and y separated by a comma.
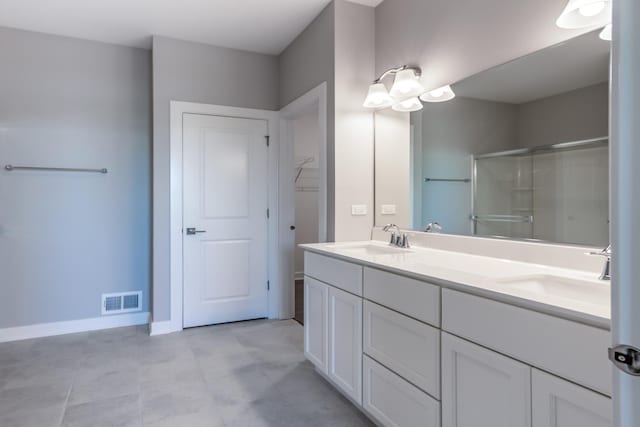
<point>605,34</point>
<point>408,105</point>
<point>406,84</point>
<point>378,97</point>
<point>441,94</point>
<point>585,13</point>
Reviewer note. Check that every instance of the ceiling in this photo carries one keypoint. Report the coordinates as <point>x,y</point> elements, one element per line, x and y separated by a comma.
<point>580,62</point>
<point>265,26</point>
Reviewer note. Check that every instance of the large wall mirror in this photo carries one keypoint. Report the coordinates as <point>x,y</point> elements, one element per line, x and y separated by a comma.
<point>521,152</point>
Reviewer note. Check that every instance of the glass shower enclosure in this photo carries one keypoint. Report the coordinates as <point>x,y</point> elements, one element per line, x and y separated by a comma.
<point>557,193</point>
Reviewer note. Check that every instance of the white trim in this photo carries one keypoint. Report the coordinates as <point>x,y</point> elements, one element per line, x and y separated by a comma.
<point>162,327</point>
<point>316,99</point>
<point>72,326</point>
<point>177,110</point>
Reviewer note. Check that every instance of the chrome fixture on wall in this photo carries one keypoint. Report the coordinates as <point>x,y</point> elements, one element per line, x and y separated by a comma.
<point>405,91</point>
<point>587,13</point>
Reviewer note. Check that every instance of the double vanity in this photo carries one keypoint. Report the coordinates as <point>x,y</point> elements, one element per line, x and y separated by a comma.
<point>460,332</point>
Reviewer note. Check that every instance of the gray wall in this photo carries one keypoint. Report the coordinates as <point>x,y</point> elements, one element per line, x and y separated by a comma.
<point>454,39</point>
<point>66,238</point>
<point>354,71</point>
<point>307,62</point>
<point>185,71</point>
<point>571,116</point>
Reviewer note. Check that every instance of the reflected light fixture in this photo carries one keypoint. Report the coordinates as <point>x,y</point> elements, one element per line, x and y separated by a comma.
<point>378,97</point>
<point>441,94</point>
<point>606,33</point>
<point>585,13</point>
<point>408,105</point>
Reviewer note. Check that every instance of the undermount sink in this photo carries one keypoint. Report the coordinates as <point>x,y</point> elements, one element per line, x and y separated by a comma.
<point>368,249</point>
<point>556,287</point>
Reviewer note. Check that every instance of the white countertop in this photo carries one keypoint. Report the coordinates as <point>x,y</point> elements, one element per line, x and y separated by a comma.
<point>571,294</point>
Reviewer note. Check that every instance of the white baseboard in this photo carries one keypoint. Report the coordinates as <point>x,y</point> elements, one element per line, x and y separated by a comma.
<point>72,326</point>
<point>164,327</point>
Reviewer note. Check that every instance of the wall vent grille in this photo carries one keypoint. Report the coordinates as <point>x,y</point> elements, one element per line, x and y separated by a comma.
<point>121,302</point>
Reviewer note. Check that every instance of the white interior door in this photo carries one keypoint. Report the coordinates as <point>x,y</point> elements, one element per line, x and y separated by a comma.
<point>225,196</point>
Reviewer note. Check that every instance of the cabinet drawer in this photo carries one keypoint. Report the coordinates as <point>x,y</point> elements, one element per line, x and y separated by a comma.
<point>404,345</point>
<point>338,273</point>
<point>568,349</point>
<point>409,296</point>
<point>394,402</point>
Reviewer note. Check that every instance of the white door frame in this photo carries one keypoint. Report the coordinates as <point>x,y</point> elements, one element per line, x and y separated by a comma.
<point>177,110</point>
<point>316,98</point>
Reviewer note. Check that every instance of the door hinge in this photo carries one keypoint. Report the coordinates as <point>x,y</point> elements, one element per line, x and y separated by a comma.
<point>267,138</point>
<point>268,213</point>
<point>268,285</point>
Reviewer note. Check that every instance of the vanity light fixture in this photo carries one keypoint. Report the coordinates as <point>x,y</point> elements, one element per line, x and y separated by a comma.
<point>408,105</point>
<point>406,85</point>
<point>585,13</point>
<point>404,93</point>
<point>378,97</point>
<point>441,94</point>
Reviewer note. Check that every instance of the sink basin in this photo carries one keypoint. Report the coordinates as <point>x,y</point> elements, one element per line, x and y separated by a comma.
<point>368,249</point>
<point>557,288</point>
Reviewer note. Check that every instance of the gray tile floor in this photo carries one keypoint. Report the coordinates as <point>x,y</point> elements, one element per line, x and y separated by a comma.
<point>249,374</point>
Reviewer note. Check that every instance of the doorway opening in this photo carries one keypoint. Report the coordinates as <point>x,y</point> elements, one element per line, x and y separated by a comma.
<point>306,154</point>
<point>303,126</point>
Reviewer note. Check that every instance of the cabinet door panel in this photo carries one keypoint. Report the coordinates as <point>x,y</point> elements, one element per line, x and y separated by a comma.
<point>483,388</point>
<point>345,342</point>
<point>316,323</point>
<point>559,403</point>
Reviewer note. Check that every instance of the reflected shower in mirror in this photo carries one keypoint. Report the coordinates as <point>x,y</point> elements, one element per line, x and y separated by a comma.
<point>520,152</point>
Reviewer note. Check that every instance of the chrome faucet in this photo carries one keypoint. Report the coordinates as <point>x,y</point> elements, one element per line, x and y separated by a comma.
<point>398,238</point>
<point>606,270</point>
<point>433,227</point>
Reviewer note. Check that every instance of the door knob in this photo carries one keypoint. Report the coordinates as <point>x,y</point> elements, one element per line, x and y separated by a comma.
<point>292,227</point>
<point>191,231</point>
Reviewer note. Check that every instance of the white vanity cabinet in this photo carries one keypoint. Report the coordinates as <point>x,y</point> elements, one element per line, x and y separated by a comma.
<point>560,403</point>
<point>333,321</point>
<point>483,388</point>
<point>413,353</point>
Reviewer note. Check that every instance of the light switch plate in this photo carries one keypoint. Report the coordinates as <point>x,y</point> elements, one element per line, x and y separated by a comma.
<point>358,210</point>
<point>388,210</point>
